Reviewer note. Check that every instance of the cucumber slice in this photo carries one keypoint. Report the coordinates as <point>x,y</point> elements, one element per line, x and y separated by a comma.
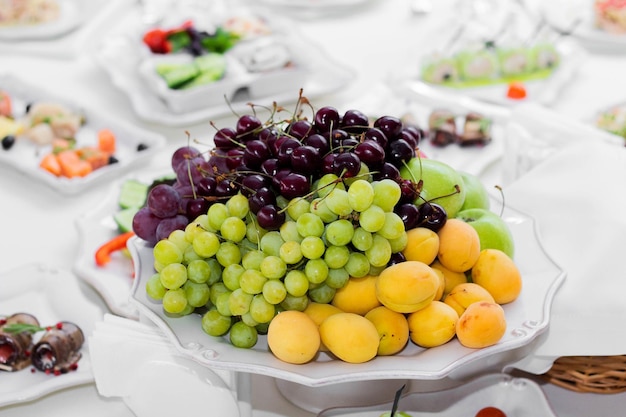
<point>124,219</point>
<point>133,193</point>
<point>177,76</point>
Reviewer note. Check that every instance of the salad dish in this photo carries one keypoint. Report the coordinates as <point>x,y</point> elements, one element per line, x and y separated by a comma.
<point>527,318</point>
<point>37,298</point>
<point>188,72</point>
<point>39,19</point>
<point>63,144</point>
<point>513,397</point>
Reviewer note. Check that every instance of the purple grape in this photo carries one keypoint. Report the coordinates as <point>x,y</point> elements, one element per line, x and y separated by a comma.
<point>354,121</point>
<point>305,159</point>
<point>371,153</point>
<point>225,138</point>
<point>294,185</point>
<point>192,170</point>
<point>270,217</point>
<point>195,207</point>
<point>163,201</point>
<point>409,213</point>
<point>346,165</point>
<point>184,153</point>
<point>326,119</point>
<point>145,225</point>
<point>391,126</point>
<point>167,226</point>
<point>262,197</point>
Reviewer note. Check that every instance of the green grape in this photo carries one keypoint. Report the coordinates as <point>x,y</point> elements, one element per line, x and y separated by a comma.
<point>198,271</point>
<point>399,244</point>
<point>166,252</point>
<point>215,324</point>
<point>199,224</point>
<point>358,265</point>
<point>322,294</point>
<point>233,229</point>
<point>292,302</point>
<point>339,232</point>
<point>197,294</point>
<point>217,213</point>
<point>393,227</point>
<point>327,183</point>
<point>262,328</point>
<point>242,335</point>
<point>157,266</point>
<point>179,239</point>
<point>296,283</point>
<point>228,253</point>
<point>174,301</point>
<point>173,276</point>
<point>337,278</point>
<point>238,206</point>
<point>274,291</point>
<point>338,202</point>
<point>290,252</point>
<point>362,239</point>
<point>191,255</point>
<point>260,310</point>
<point>239,302</point>
<point>319,207</point>
<point>376,270</point>
<point>297,207</point>
<point>281,201</point>
<point>289,231</point>
<point>231,275</point>
<point>312,247</point>
<point>316,270</point>
<point>271,242</point>
<point>372,219</point>
<point>380,252</point>
<point>252,259</point>
<point>254,232</point>
<point>154,288</point>
<point>216,271</point>
<point>206,244</point>
<point>309,224</point>
<point>387,193</point>
<point>249,320</point>
<point>216,290</point>
<point>222,304</point>
<point>273,267</point>
<point>336,256</point>
<point>252,281</point>
<point>360,195</point>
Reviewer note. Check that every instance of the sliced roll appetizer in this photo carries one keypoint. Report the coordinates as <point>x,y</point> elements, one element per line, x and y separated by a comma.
<point>16,344</point>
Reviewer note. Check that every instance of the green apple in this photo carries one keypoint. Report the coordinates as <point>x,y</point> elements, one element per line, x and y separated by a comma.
<point>493,232</point>
<point>440,181</point>
<point>396,414</point>
<point>476,195</point>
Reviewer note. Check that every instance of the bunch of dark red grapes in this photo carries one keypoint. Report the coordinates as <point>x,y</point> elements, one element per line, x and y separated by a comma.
<point>267,161</point>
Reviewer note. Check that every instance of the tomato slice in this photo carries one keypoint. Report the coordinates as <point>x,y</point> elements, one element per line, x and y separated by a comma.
<point>5,104</point>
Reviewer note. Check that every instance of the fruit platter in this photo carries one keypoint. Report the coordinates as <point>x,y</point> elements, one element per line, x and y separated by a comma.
<point>187,69</point>
<point>61,143</point>
<point>34,299</point>
<point>299,228</point>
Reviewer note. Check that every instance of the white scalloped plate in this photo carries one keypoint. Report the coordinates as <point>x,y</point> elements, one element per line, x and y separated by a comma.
<point>527,318</point>
<point>516,397</point>
<point>51,295</point>
<point>25,155</point>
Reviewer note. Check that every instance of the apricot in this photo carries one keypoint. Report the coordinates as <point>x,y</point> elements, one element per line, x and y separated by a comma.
<point>451,278</point>
<point>392,327</point>
<point>293,337</point>
<point>422,245</point>
<point>408,286</point>
<point>318,313</point>
<point>357,296</point>
<point>350,337</point>
<point>497,273</point>
<point>442,284</point>
<point>465,294</point>
<point>459,245</point>
<point>434,325</point>
<point>482,324</point>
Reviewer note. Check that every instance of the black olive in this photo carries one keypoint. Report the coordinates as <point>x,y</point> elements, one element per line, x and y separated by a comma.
<point>7,142</point>
<point>142,147</point>
<point>113,160</point>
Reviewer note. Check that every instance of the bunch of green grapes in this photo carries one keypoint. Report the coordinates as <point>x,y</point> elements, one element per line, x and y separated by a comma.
<point>240,275</point>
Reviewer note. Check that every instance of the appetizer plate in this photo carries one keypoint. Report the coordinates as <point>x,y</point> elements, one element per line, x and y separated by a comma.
<point>322,76</point>
<point>315,8</point>
<point>543,91</point>
<point>51,295</point>
<point>25,155</point>
<point>71,15</point>
<point>516,397</point>
<point>527,318</point>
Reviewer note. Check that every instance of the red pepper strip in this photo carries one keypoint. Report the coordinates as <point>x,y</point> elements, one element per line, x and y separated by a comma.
<point>103,254</point>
